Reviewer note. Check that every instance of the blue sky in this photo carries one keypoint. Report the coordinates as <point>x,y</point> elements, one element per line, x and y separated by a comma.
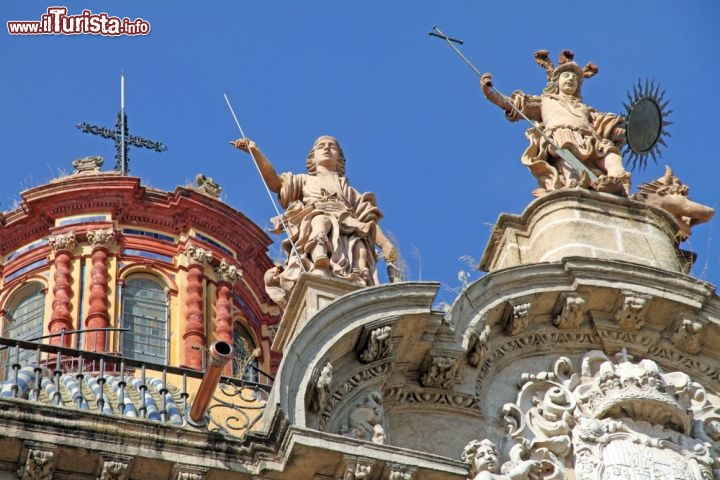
<point>409,114</point>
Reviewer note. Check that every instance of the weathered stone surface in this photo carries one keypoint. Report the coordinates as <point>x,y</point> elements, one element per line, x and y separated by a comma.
<point>572,222</point>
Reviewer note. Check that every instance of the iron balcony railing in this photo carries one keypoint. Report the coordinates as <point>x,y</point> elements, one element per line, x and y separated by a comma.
<point>122,386</point>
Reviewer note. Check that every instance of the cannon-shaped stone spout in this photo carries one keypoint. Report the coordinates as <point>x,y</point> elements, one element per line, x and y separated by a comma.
<point>220,354</point>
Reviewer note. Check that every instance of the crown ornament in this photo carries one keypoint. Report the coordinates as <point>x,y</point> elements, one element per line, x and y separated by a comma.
<point>565,63</point>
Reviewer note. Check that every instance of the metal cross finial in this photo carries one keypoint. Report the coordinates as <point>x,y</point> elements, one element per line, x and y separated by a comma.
<point>122,139</point>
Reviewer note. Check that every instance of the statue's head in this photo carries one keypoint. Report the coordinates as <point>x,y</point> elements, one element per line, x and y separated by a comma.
<point>566,66</point>
<point>326,149</point>
<point>482,455</point>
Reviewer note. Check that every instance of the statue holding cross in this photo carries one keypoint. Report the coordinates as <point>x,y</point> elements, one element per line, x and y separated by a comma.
<point>563,121</point>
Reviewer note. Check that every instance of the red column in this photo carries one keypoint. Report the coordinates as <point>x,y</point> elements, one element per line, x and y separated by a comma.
<point>194,335</point>
<point>194,321</point>
<point>227,276</point>
<point>61,318</point>
<point>223,315</point>
<point>98,316</point>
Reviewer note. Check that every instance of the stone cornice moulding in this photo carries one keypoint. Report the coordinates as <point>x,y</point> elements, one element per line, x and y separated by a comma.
<point>574,273</point>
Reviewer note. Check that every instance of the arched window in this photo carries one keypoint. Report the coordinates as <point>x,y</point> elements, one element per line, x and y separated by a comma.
<point>145,315</point>
<point>245,354</point>
<point>25,313</point>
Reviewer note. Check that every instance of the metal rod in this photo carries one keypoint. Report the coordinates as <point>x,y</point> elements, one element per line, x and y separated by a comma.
<point>277,210</point>
<point>565,154</point>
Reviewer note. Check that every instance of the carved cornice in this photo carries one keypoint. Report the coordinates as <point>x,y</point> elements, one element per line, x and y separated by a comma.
<point>411,395</point>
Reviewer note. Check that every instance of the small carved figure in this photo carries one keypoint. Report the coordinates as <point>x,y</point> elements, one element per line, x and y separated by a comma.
<point>593,137</point>
<point>363,419</point>
<point>483,457</point>
<point>333,229</point>
<point>322,388</point>
<point>670,194</point>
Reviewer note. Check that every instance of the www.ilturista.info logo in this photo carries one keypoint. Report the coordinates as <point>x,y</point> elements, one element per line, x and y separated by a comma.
<point>57,22</point>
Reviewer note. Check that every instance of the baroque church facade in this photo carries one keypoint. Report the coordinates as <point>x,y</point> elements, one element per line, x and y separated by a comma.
<point>141,340</point>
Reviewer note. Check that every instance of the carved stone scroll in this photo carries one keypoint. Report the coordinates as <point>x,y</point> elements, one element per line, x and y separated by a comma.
<point>375,344</point>
<point>478,346</point>
<point>621,418</point>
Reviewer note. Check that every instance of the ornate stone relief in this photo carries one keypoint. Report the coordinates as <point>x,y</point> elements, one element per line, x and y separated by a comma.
<point>321,390</point>
<point>97,238</point>
<point>478,346</point>
<point>227,272</point>
<point>361,377</point>
<point>482,457</point>
<point>616,419</point>
<point>114,470</point>
<point>454,400</point>
<point>572,312</point>
<point>62,241</point>
<point>631,316</point>
<point>441,365</point>
<point>365,421</point>
<point>188,472</point>
<point>198,255</point>
<point>375,344</point>
<point>516,316</point>
<point>39,464</point>
<point>357,468</point>
<point>400,472</point>
<point>688,336</point>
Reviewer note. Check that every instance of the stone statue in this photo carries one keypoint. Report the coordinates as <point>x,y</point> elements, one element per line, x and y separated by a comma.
<point>333,227</point>
<point>483,457</point>
<point>593,137</point>
<point>670,194</point>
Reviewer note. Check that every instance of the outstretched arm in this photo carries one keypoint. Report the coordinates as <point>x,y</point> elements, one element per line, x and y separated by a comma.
<point>272,180</point>
<point>492,95</point>
<point>514,104</point>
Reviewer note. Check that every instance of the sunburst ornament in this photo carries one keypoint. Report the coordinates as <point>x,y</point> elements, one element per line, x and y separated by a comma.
<point>645,125</point>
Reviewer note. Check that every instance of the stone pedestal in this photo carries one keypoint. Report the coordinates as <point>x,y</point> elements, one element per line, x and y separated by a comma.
<point>311,294</point>
<point>577,222</point>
